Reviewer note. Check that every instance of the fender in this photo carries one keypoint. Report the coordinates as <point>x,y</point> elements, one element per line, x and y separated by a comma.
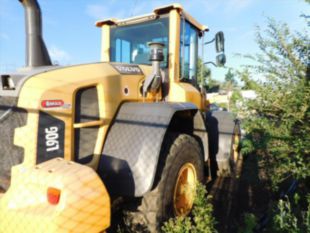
<point>221,126</point>
<point>132,147</point>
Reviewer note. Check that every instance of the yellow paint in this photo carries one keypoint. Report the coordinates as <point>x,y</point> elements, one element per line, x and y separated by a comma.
<point>88,124</point>
<point>235,144</point>
<point>185,92</point>
<point>105,43</point>
<point>63,84</point>
<point>184,190</point>
<point>84,204</point>
<point>174,46</point>
<point>156,12</point>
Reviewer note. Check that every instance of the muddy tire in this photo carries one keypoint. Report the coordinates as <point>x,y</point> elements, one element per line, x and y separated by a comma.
<point>179,152</point>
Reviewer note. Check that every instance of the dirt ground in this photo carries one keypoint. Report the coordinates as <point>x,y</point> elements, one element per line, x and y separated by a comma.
<point>246,193</point>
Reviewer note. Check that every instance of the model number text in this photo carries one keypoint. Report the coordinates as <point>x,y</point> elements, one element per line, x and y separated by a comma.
<point>51,139</point>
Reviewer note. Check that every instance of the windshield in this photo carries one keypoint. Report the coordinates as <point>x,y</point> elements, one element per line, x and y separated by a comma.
<point>129,44</point>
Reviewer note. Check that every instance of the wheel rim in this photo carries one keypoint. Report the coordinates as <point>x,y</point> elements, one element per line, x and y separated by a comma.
<point>235,145</point>
<point>185,189</point>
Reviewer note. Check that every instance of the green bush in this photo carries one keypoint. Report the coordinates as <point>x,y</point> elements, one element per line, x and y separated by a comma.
<point>201,219</point>
<point>289,218</point>
<point>249,225</point>
<point>277,121</point>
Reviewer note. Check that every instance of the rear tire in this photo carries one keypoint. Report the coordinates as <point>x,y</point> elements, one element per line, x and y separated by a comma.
<point>181,156</point>
<point>233,152</point>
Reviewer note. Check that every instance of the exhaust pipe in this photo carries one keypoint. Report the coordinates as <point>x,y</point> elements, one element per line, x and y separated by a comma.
<point>36,52</point>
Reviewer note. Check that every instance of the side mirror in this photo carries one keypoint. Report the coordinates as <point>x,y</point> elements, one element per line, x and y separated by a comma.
<point>220,60</point>
<point>219,42</point>
<point>220,49</point>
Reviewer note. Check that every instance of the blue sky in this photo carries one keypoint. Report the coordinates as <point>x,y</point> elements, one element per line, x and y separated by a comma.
<point>72,38</point>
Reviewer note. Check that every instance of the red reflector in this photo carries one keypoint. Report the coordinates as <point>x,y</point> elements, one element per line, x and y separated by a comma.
<point>53,195</point>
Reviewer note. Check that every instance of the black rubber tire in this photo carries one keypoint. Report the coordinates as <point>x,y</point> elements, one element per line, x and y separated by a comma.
<point>157,205</point>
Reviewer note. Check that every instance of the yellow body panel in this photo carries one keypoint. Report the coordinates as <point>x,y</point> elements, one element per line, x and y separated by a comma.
<point>185,92</point>
<point>156,12</point>
<point>174,47</point>
<point>105,43</point>
<point>63,84</point>
<point>84,204</point>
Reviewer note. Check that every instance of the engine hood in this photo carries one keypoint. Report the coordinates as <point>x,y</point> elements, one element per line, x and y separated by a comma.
<point>10,84</point>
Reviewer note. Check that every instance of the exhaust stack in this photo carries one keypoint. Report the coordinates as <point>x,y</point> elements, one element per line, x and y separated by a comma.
<point>36,52</point>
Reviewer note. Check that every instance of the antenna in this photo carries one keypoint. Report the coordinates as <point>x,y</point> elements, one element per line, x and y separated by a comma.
<point>135,2</point>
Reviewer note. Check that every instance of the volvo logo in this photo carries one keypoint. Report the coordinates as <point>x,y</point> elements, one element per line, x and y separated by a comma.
<point>127,69</point>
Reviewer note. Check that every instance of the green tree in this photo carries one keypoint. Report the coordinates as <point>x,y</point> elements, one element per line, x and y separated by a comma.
<point>205,76</point>
<point>203,72</point>
<point>245,77</point>
<point>278,125</point>
<point>230,82</point>
<point>235,100</point>
<point>278,120</point>
<point>230,77</point>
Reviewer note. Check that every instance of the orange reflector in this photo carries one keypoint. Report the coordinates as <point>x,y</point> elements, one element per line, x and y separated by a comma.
<point>53,195</point>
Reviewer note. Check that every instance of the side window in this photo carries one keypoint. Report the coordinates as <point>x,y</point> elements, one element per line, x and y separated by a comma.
<point>188,51</point>
<point>120,51</point>
<point>86,125</point>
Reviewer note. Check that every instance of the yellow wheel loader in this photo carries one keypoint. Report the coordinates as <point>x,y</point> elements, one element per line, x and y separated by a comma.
<point>132,125</point>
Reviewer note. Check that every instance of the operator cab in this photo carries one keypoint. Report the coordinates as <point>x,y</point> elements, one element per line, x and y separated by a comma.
<point>126,41</point>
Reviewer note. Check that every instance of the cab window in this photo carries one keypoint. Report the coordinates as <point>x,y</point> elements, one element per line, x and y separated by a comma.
<point>129,43</point>
<point>188,51</point>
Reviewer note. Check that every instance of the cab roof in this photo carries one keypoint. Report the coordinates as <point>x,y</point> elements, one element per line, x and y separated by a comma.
<point>156,12</point>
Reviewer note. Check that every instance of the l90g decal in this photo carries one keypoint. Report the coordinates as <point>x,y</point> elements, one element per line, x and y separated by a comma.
<point>50,138</point>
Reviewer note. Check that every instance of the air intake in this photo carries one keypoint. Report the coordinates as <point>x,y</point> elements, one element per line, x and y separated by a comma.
<point>36,52</point>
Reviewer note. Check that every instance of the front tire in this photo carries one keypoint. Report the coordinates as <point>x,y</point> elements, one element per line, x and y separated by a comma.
<point>180,168</point>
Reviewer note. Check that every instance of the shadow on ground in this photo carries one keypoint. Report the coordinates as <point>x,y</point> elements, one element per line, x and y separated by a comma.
<point>245,192</point>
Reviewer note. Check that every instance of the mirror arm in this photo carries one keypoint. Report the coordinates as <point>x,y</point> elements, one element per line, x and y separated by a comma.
<point>210,62</point>
<point>209,42</point>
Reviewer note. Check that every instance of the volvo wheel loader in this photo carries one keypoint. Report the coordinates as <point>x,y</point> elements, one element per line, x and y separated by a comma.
<point>132,125</point>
